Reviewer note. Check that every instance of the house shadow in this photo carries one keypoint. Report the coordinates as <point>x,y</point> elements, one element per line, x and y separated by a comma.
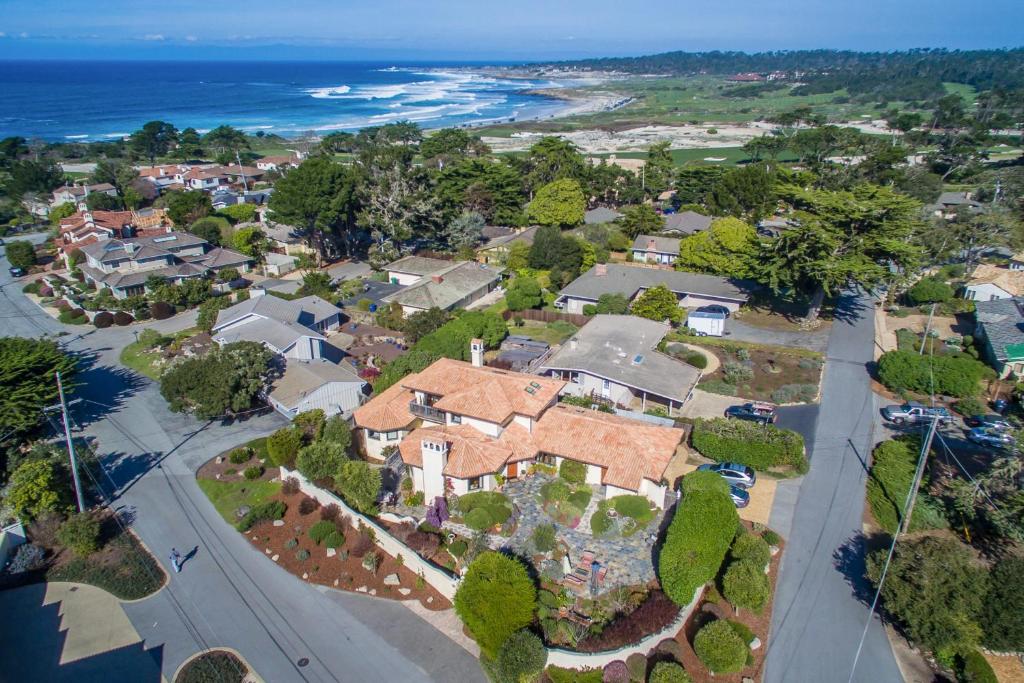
<point>32,637</point>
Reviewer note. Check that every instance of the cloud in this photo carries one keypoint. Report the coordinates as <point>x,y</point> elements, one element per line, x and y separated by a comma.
<point>23,34</point>
<point>191,39</point>
<point>153,36</point>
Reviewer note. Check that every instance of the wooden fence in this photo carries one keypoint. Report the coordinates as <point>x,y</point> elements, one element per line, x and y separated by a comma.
<point>548,316</point>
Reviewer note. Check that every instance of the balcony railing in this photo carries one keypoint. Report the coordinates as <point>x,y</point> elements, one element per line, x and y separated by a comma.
<point>426,412</point>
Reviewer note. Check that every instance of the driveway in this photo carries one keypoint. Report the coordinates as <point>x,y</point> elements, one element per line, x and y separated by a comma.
<point>817,619</point>
<point>350,270</point>
<point>814,340</point>
<point>375,291</point>
<point>229,594</point>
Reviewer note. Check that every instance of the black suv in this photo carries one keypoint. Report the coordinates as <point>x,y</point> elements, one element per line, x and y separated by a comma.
<point>755,412</point>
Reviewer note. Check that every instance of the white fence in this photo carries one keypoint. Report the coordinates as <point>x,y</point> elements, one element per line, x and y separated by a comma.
<point>10,538</point>
<point>444,583</point>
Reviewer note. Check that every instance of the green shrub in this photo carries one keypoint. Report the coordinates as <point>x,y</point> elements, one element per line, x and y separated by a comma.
<point>557,674</point>
<point>696,359</point>
<point>669,672</point>
<point>283,445</point>
<point>291,543</point>
<point>746,585</point>
<point>969,406</point>
<point>73,316</point>
<point>771,538</point>
<point>273,509</point>
<point>213,667</point>
<point>415,499</point>
<point>572,471</point>
<point>929,291</point>
<point>697,541</point>
<point>458,547</point>
<point>637,507</point>
<point>254,472</point>
<point>335,539</point>
<point>736,373</point>
<point>720,648</point>
<point>302,555</point>
<point>32,287</point>
<point>889,480</point>
<point>752,548</point>
<point>479,519</point>
<point>320,531</point>
<point>759,446</point>
<point>80,533</point>
<point>554,491</point>
<point>1004,605</point>
<point>320,460</point>
<point>522,657</point>
<point>600,522</point>
<point>703,480</point>
<point>495,599</point>
<point>544,537</point>
<point>636,665</point>
<point>952,374</point>
<point>795,393</point>
<point>743,631</point>
<point>974,668</point>
<point>580,498</point>
<point>239,455</point>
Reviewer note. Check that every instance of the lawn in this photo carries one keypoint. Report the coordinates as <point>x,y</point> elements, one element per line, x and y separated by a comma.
<point>228,496</point>
<point>142,360</point>
<point>553,333</point>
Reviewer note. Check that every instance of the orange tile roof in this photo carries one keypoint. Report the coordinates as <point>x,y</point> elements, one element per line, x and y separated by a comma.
<point>387,411</point>
<point>628,450</point>
<point>1011,281</point>
<point>471,453</point>
<point>484,393</point>
<point>519,439</point>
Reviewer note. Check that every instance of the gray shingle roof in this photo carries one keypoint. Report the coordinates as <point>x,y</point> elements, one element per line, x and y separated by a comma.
<point>303,377</point>
<point>621,348</point>
<point>164,244</point>
<point>279,335</point>
<point>1003,323</point>
<point>628,280</point>
<point>526,236</point>
<point>687,222</point>
<point>457,282</point>
<point>662,245</point>
<point>601,215</point>
<point>307,311</point>
<point>417,265</point>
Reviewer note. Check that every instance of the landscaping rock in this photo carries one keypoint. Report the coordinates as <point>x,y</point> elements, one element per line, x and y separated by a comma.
<point>274,558</point>
<point>774,550</point>
<point>217,476</point>
<point>335,583</point>
<point>405,591</point>
<point>392,580</point>
<point>268,551</point>
<point>278,522</point>
<point>747,679</point>
<point>373,591</point>
<point>361,589</point>
<point>755,644</point>
<point>242,511</point>
<point>430,599</point>
<point>220,459</point>
<point>331,552</point>
<point>305,576</point>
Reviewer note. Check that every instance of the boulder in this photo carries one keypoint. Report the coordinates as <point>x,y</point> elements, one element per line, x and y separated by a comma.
<point>278,522</point>
<point>373,591</point>
<point>331,552</point>
<point>755,644</point>
<point>242,511</point>
<point>405,591</point>
<point>361,589</point>
<point>392,580</point>
<point>274,558</point>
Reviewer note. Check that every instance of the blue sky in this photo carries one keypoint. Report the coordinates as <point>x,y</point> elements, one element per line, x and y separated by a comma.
<point>489,30</point>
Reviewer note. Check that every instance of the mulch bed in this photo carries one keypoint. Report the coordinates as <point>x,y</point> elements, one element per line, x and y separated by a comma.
<point>344,574</point>
<point>757,623</point>
<point>228,471</point>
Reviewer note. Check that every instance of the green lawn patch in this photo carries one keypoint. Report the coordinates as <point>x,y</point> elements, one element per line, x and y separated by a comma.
<point>635,511</point>
<point>142,360</point>
<point>228,496</point>
<point>259,447</point>
<point>553,333</point>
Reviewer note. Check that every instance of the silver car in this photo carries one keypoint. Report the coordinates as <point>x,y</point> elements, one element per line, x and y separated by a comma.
<point>733,472</point>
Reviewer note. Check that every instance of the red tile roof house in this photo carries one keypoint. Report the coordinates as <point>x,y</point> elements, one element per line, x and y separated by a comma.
<point>458,425</point>
<point>76,194</point>
<point>276,163</point>
<point>87,227</point>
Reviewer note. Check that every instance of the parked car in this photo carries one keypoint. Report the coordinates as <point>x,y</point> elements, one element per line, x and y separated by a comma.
<point>715,308</point>
<point>997,422</point>
<point>734,473</point>
<point>913,412</point>
<point>740,497</point>
<point>755,412</point>
<point>989,437</point>
<point>15,271</point>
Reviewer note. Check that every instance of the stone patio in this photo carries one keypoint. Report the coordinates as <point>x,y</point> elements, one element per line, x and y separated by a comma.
<point>629,560</point>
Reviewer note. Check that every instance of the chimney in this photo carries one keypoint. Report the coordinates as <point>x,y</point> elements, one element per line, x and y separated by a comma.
<point>652,245</point>
<point>129,248</point>
<point>573,343</point>
<point>256,291</point>
<point>601,269</point>
<point>476,352</point>
<point>437,279</point>
<point>434,454</point>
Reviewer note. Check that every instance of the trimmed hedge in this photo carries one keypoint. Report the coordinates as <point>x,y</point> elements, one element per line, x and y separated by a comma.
<point>746,585</point>
<point>161,310</point>
<point>697,541</point>
<point>669,672</point>
<point>720,648</point>
<point>892,473</point>
<point>103,320</point>
<point>122,318</point>
<point>752,548</point>
<point>759,446</point>
<point>572,471</point>
<point>951,374</point>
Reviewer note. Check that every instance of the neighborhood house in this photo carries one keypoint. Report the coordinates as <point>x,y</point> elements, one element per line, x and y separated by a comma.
<point>990,281</point>
<point>293,329</point>
<point>477,423</point>
<point>316,384</point>
<point>1000,326</point>
<point>654,249</point>
<point>693,289</point>
<point>435,283</point>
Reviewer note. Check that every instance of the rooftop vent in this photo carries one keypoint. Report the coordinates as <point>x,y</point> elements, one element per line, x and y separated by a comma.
<point>638,359</point>
<point>531,390</point>
<point>535,385</point>
<point>169,238</point>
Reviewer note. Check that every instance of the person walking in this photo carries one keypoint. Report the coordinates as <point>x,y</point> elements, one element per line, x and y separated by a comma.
<point>176,560</point>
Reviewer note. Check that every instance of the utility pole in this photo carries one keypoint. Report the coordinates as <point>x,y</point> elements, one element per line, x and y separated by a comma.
<point>918,473</point>
<point>241,171</point>
<point>927,327</point>
<point>71,445</point>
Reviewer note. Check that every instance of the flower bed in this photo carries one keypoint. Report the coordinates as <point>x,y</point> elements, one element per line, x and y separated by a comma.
<point>565,502</point>
<point>634,510</point>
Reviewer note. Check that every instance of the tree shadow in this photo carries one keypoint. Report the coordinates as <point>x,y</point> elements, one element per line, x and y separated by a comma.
<point>850,306</point>
<point>850,559</point>
<point>105,388</point>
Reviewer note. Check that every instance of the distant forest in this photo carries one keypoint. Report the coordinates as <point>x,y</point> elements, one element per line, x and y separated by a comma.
<point>908,76</point>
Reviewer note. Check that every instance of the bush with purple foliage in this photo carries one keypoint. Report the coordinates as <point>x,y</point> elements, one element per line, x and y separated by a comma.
<point>437,512</point>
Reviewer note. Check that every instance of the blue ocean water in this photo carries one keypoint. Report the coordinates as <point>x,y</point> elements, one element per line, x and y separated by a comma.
<point>93,100</point>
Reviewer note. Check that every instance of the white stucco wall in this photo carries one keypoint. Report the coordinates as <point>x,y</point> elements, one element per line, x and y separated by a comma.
<point>374,447</point>
<point>433,470</point>
<point>482,426</point>
<point>403,278</point>
<point>523,421</point>
<point>612,491</point>
<point>574,305</point>
<point>417,479</point>
<point>593,474</point>
<point>654,492</point>
<point>985,292</point>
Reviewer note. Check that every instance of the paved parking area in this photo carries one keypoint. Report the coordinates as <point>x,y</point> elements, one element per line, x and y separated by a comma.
<point>814,340</point>
<point>374,291</point>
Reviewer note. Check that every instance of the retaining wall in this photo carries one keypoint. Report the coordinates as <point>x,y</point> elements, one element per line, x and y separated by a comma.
<point>442,581</point>
<point>10,538</point>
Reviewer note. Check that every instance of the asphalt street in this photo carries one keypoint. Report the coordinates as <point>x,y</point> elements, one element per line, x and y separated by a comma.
<point>229,593</point>
<point>820,608</point>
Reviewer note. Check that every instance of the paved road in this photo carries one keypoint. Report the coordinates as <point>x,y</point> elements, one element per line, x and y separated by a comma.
<point>815,340</point>
<point>229,594</point>
<point>817,620</point>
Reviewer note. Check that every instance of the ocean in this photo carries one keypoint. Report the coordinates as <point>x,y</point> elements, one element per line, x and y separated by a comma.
<point>97,100</point>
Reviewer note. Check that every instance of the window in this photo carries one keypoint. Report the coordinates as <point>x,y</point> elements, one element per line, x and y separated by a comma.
<point>391,436</point>
<point>474,484</point>
<point>546,459</point>
<point>370,434</point>
<point>456,419</point>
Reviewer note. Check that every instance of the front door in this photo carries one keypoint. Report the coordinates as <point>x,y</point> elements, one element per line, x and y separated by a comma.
<point>513,470</point>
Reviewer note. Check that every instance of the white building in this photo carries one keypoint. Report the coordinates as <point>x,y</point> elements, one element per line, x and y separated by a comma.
<point>317,384</point>
<point>292,329</point>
